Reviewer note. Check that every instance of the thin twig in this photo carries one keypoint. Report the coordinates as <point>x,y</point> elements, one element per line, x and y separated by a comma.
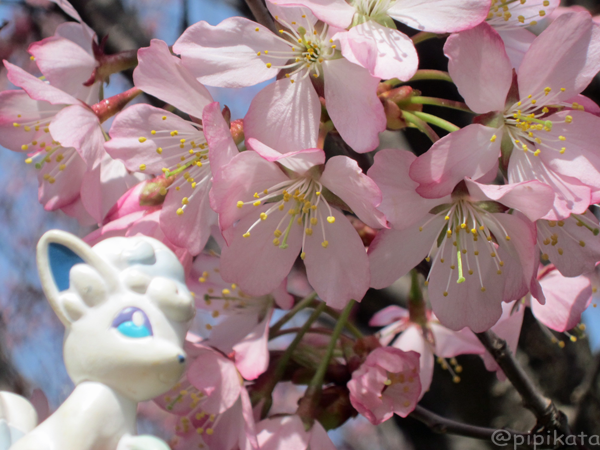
<point>261,14</point>
<point>441,425</point>
<point>548,416</point>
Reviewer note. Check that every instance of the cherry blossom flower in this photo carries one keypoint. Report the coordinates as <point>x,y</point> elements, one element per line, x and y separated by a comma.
<point>431,340</point>
<point>373,41</point>
<point>212,403</point>
<point>238,322</point>
<point>387,383</point>
<point>286,114</point>
<point>274,205</point>
<point>557,139</point>
<point>509,19</point>
<point>480,256</point>
<point>566,299</point>
<point>152,140</point>
<point>288,433</point>
<point>572,244</point>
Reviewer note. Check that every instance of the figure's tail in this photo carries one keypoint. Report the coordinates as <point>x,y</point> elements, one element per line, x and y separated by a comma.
<point>17,417</point>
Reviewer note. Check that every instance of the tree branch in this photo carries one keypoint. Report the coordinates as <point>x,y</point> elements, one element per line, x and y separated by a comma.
<point>441,425</point>
<point>548,416</point>
<point>261,14</point>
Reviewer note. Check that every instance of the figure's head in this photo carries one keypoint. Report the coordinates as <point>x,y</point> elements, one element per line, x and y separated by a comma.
<point>125,307</point>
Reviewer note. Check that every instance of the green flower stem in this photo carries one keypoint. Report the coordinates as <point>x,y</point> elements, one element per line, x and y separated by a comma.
<point>434,120</point>
<point>313,392</point>
<point>349,325</point>
<point>416,302</point>
<point>460,106</point>
<point>427,74</point>
<point>422,36</point>
<point>421,125</point>
<point>306,301</point>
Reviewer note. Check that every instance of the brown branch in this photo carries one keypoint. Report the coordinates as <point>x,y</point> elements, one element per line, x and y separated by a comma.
<point>441,425</point>
<point>261,14</point>
<point>548,416</point>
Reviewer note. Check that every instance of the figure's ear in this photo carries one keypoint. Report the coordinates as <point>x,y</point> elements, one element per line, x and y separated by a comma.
<point>92,278</point>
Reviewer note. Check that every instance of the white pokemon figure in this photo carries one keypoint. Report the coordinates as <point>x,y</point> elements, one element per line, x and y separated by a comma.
<point>126,310</point>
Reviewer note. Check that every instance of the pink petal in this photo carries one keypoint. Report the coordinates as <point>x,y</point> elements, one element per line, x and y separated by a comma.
<point>508,328</point>
<point>254,263</point>
<point>77,211</point>
<point>567,253</point>
<point>469,152</point>
<point>252,354</point>
<point>191,229</point>
<point>532,198</point>
<point>319,440</point>
<point>388,315</point>
<point>300,161</point>
<point>163,75</point>
<point>246,174</point>
<point>384,52</point>
<point>282,432</point>
<point>571,66</point>
<point>344,178</point>
<point>566,299</point>
<point>18,107</point>
<point>103,186</point>
<point>221,147</point>
<point>353,104</point>
<point>36,88</point>
<point>339,272</point>
<point>65,63</point>
<point>449,344</point>
<point>570,194</point>
<point>78,127</point>
<point>401,204</point>
<point>394,252</point>
<point>440,16</point>
<point>532,11</point>
<point>516,44</point>
<point>285,115</point>
<point>412,340</point>
<point>138,121</point>
<point>285,15</point>
<point>226,55</point>
<point>65,190</point>
<point>480,67</point>
<point>334,12</point>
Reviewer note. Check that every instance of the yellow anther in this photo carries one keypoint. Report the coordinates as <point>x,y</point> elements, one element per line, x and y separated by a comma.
<point>560,251</point>
<point>263,216</point>
<point>256,203</point>
<point>449,233</point>
<point>493,138</point>
<point>24,147</point>
<point>159,150</point>
<point>537,152</point>
<point>569,119</point>
<point>246,234</point>
<point>185,201</point>
<point>308,231</point>
<point>445,294</point>
<point>276,242</point>
<point>142,139</point>
<point>330,219</point>
<point>179,211</point>
<point>142,166</point>
<point>269,65</point>
<point>562,138</point>
<point>325,244</point>
<point>482,289</point>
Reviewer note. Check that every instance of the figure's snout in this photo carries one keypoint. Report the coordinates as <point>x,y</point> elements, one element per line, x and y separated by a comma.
<point>181,359</point>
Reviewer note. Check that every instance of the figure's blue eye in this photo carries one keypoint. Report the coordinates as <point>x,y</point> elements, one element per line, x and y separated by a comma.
<point>133,322</point>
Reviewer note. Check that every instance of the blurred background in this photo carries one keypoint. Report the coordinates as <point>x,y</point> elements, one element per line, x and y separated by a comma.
<point>31,336</point>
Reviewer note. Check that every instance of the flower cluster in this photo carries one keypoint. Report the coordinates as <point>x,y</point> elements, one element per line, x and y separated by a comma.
<point>282,211</point>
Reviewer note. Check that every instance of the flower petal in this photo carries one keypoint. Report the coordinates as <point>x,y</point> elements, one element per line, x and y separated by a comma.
<point>344,178</point>
<point>384,52</point>
<point>516,44</point>
<point>353,104</point>
<point>300,161</point>
<point>440,16</point>
<point>226,55</point>
<point>480,67</point>
<point>571,65</point>
<point>221,147</point>
<point>334,12</point>
<point>163,75</point>
<point>338,272</point>
<point>469,152</point>
<point>285,115</point>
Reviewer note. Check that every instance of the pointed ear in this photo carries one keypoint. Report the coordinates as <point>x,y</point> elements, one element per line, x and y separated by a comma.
<point>57,253</point>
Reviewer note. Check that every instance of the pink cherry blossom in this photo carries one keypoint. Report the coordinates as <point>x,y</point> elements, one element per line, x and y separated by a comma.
<point>274,205</point>
<point>566,299</point>
<point>430,340</point>
<point>480,256</point>
<point>510,20</point>
<point>212,403</point>
<point>572,244</point>
<point>373,41</point>
<point>387,383</point>
<point>286,114</point>
<point>545,136</point>
<point>152,140</point>
<point>236,322</point>
<point>288,433</point>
